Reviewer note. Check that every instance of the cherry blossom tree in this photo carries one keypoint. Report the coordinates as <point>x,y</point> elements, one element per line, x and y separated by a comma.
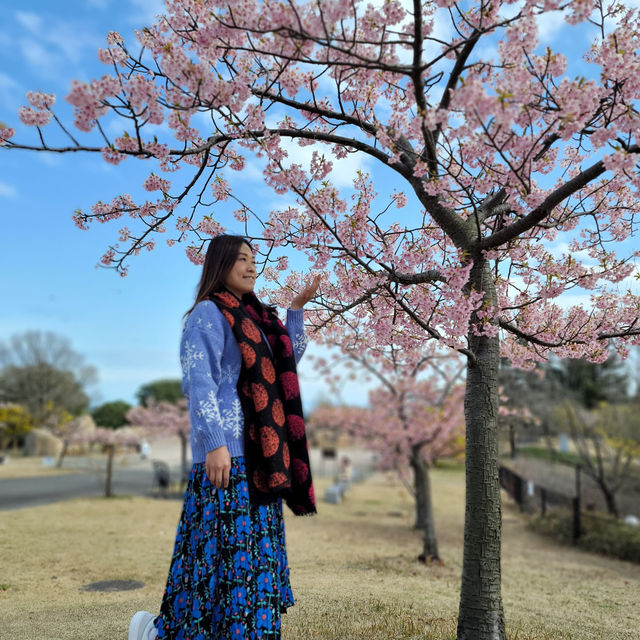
<point>165,420</point>
<point>63,425</point>
<point>411,422</point>
<point>110,440</point>
<point>519,165</point>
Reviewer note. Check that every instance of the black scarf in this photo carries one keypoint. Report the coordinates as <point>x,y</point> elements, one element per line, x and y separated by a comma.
<point>275,442</point>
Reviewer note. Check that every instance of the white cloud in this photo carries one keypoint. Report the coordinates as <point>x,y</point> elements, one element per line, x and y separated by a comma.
<point>50,159</point>
<point>561,248</point>
<point>7,82</point>
<point>30,21</point>
<point>252,171</point>
<point>344,170</point>
<point>36,54</point>
<point>71,44</point>
<point>630,283</point>
<point>549,25</point>
<point>8,90</point>
<point>146,11</point>
<point>50,47</point>
<point>7,191</point>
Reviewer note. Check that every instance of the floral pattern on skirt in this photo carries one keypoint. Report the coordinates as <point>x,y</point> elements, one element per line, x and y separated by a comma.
<point>229,576</point>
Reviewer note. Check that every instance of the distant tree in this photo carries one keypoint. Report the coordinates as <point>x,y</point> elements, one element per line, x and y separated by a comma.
<point>164,420</point>
<point>111,414</point>
<point>607,439</point>
<point>43,390</point>
<point>37,347</point>
<point>414,417</point>
<point>410,423</point>
<point>165,390</point>
<point>589,383</point>
<point>15,423</point>
<point>110,440</point>
<point>43,373</point>
<point>69,429</point>
<point>529,398</point>
<point>524,402</point>
<point>515,418</point>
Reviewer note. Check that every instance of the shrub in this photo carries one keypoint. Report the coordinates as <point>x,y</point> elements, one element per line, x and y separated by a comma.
<point>600,533</point>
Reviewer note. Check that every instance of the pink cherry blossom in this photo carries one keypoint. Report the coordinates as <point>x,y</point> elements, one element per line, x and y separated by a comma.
<point>6,133</point>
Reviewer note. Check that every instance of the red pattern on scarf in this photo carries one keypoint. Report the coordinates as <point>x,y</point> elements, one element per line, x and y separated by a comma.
<point>276,452</point>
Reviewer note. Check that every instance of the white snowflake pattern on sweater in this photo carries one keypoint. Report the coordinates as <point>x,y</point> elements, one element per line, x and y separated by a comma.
<point>190,359</point>
<point>234,419</point>
<point>209,409</point>
<point>300,343</point>
<point>228,374</point>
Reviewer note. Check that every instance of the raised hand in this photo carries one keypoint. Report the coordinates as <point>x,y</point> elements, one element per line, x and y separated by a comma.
<point>306,294</point>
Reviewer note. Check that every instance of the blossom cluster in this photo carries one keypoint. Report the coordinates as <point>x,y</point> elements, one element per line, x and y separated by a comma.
<point>342,77</point>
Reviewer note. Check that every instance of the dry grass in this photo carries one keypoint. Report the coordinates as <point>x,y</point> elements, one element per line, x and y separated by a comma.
<point>20,467</point>
<point>353,571</point>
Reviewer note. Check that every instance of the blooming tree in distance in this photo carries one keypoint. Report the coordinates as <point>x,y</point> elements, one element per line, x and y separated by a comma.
<point>110,440</point>
<point>411,421</point>
<point>164,420</point>
<point>519,165</point>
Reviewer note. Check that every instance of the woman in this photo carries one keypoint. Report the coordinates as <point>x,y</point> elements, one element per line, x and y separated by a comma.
<point>229,576</point>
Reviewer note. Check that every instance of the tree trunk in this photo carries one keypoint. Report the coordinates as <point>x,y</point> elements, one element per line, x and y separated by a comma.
<point>610,500</point>
<point>481,615</point>
<point>185,471</point>
<point>512,440</point>
<point>63,453</point>
<point>108,492</point>
<point>419,492</point>
<point>429,541</point>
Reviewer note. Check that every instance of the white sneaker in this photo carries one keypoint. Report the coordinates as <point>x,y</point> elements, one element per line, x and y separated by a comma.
<point>140,626</point>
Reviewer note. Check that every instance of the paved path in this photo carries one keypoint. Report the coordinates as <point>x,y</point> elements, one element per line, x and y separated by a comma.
<point>16,493</point>
<point>131,476</point>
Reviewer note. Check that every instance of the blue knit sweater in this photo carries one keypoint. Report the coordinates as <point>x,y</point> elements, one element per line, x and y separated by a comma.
<point>211,363</point>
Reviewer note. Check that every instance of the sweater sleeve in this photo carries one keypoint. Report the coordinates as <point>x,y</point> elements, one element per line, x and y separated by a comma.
<point>295,328</point>
<point>201,356</point>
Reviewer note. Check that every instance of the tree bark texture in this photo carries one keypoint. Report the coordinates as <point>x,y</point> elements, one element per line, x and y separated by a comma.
<point>419,489</point>
<point>427,521</point>
<point>481,615</point>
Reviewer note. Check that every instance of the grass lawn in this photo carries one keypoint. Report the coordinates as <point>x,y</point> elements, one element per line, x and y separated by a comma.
<point>353,567</point>
<point>20,467</point>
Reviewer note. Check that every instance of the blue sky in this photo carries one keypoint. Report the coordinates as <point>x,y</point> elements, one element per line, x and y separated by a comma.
<point>128,328</point>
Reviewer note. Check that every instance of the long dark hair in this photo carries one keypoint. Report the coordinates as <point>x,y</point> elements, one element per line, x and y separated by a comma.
<point>221,256</point>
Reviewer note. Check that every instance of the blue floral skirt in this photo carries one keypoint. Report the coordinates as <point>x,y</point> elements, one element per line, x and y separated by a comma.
<point>229,576</point>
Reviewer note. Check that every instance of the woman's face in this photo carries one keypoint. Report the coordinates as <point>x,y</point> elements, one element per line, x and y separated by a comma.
<point>242,276</point>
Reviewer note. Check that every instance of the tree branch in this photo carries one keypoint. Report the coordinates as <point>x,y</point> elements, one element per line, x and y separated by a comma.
<point>512,231</point>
